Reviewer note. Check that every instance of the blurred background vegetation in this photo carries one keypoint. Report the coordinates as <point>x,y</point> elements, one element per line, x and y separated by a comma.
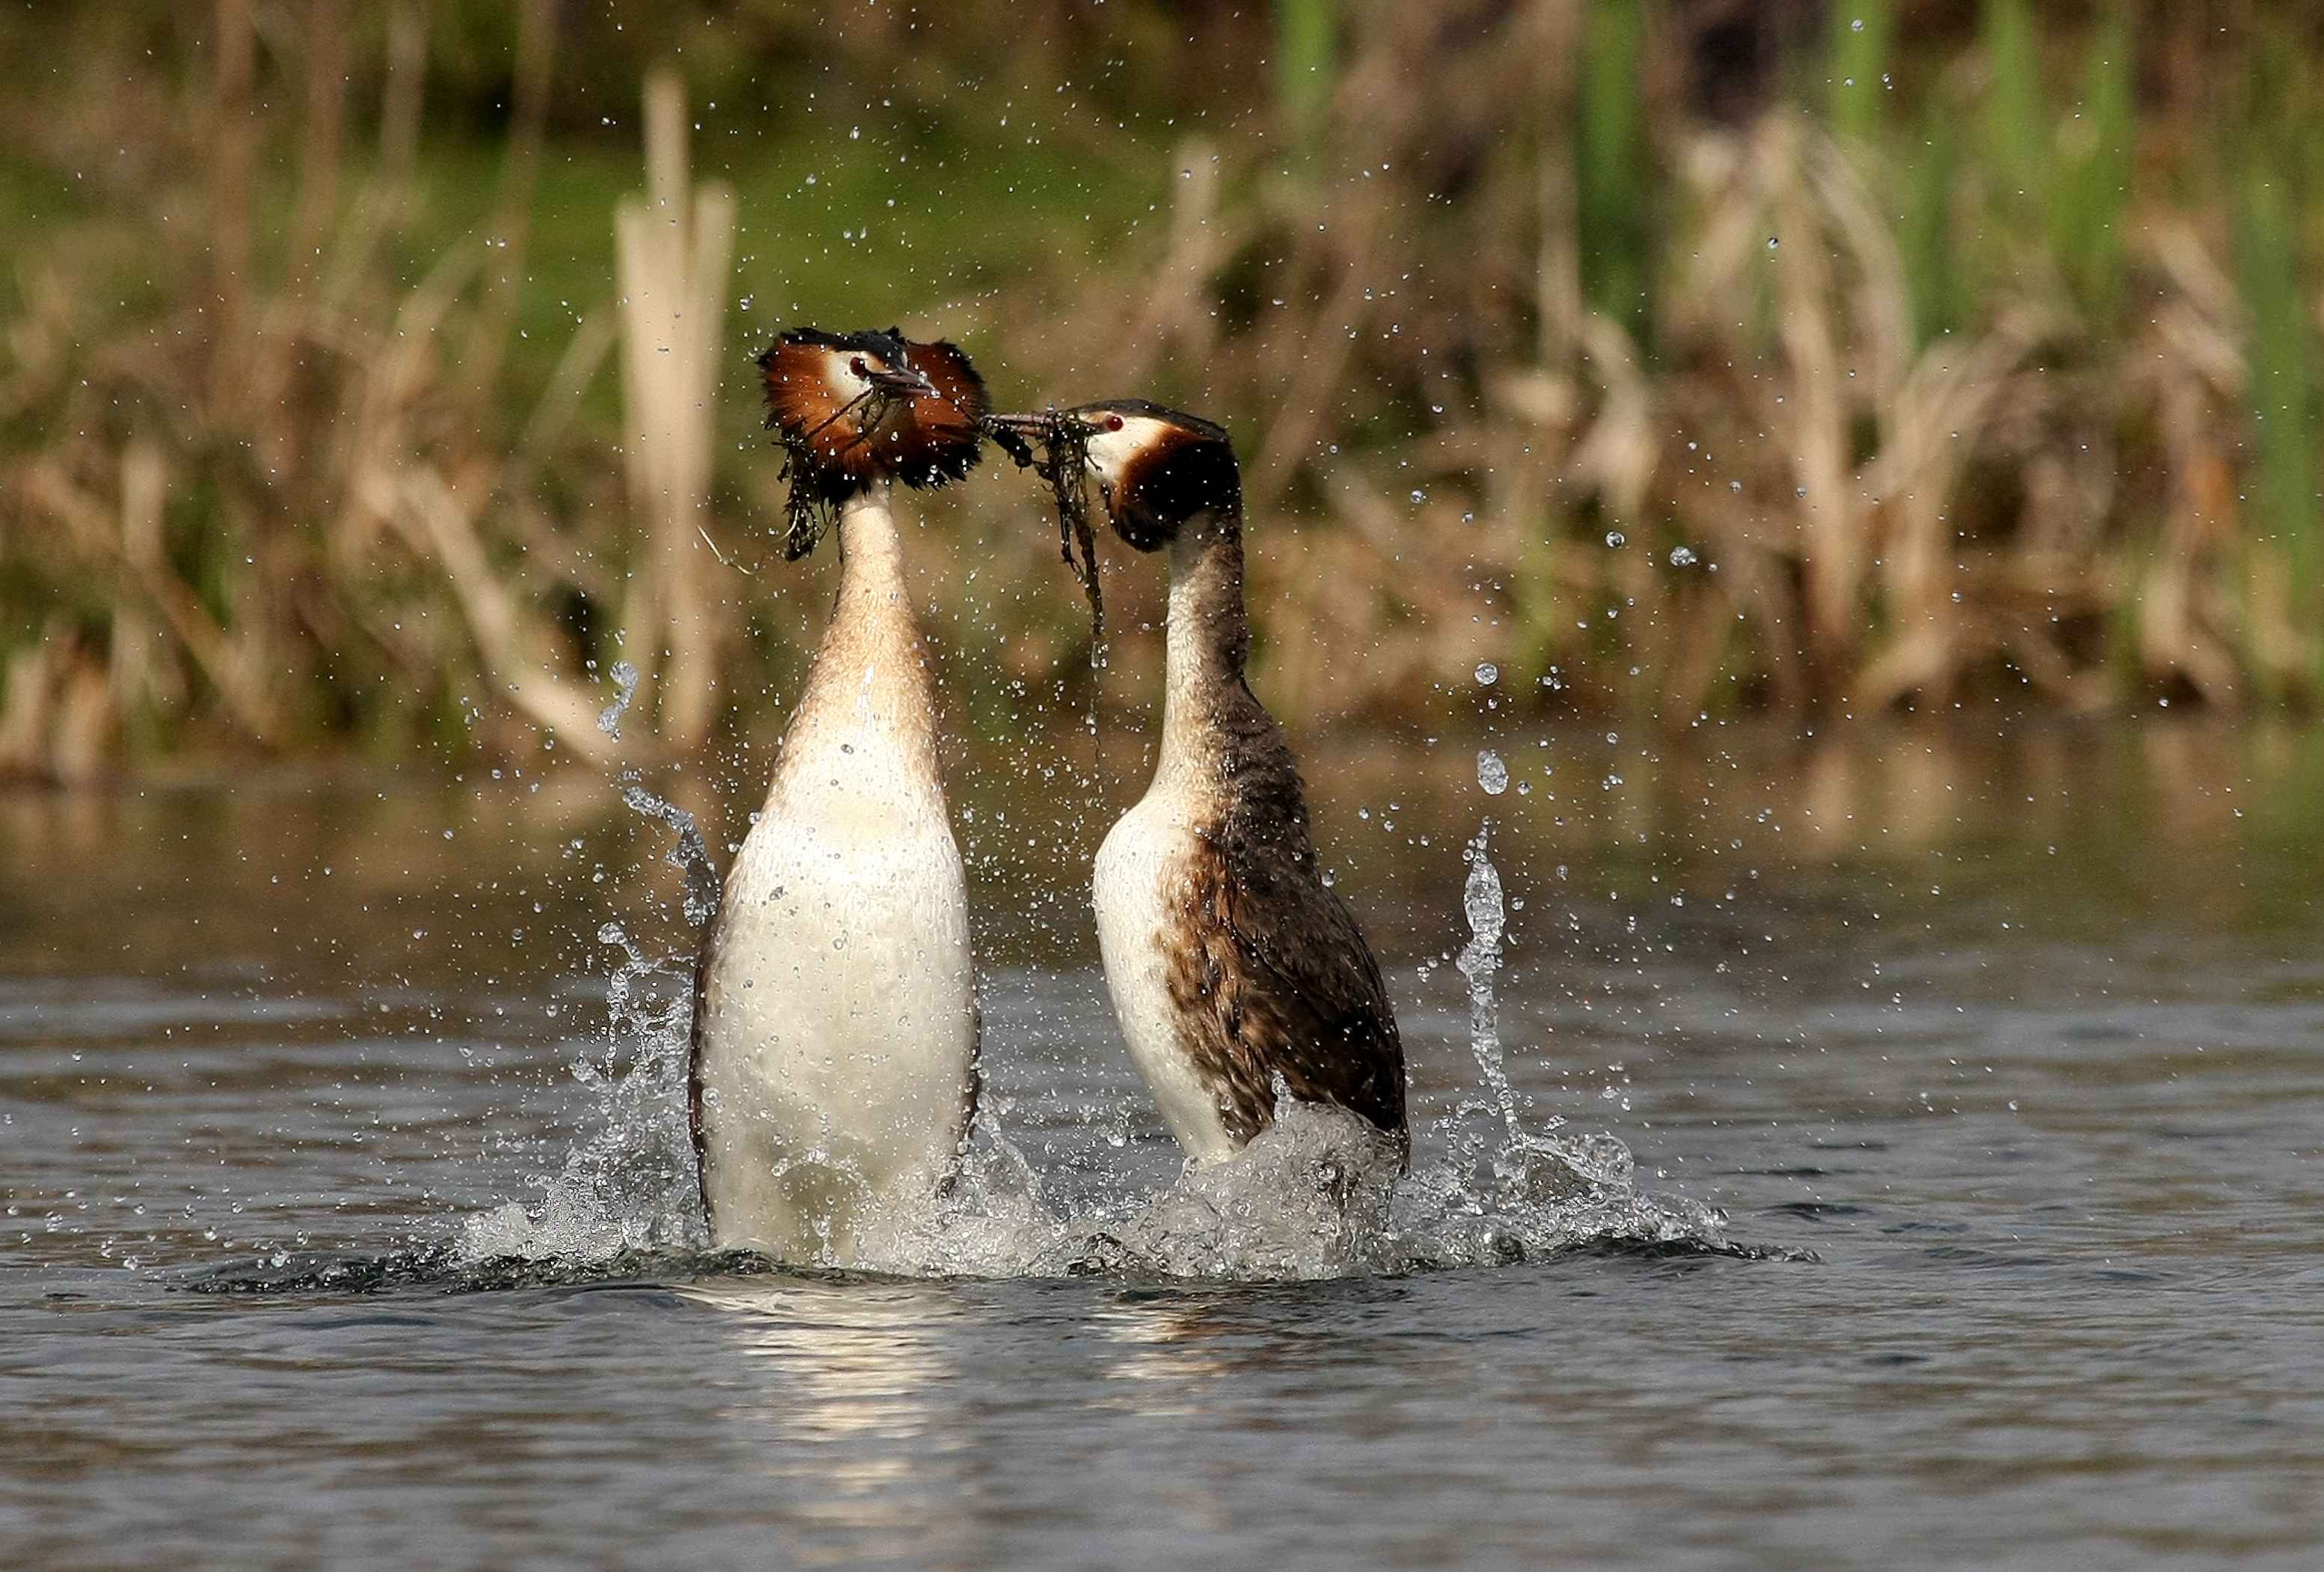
<point>375,375</point>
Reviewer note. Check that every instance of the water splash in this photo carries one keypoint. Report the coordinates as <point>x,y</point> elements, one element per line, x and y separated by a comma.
<point>691,854</point>
<point>630,1185</point>
<point>1510,1194</point>
<point>1320,1194</point>
<point>1479,961</point>
<point>1492,773</point>
<point>625,683</point>
<point>1309,1198</point>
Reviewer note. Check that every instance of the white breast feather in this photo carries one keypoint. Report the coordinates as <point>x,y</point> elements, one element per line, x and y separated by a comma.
<point>839,1012</point>
<point>1140,868</point>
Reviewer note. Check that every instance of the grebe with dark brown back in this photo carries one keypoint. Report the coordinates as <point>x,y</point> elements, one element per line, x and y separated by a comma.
<point>1234,969</point>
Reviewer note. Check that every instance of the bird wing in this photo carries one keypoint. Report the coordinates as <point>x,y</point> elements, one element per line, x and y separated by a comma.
<point>1311,984</point>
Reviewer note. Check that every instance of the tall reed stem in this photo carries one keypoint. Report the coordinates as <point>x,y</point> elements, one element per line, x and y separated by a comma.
<point>672,250</point>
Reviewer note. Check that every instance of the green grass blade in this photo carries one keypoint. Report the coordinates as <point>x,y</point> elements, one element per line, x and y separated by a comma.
<point>1862,31</point>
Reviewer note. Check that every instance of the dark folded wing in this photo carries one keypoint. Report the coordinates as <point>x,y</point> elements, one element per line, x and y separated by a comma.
<point>1313,982</point>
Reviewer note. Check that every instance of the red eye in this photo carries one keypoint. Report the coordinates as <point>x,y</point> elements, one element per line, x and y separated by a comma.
<point>856,366</point>
<point>1113,422</point>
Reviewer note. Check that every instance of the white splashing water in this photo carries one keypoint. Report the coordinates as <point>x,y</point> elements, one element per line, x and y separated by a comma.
<point>1318,1195</point>
<point>625,683</point>
<point>1512,1194</point>
<point>629,1185</point>
<point>690,854</point>
<point>1479,961</point>
<point>1492,773</point>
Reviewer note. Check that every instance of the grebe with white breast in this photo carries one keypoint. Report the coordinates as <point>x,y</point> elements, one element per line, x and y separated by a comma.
<point>1235,969</point>
<point>833,1067</point>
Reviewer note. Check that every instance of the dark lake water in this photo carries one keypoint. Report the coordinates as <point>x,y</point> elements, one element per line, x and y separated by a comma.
<point>343,1226</point>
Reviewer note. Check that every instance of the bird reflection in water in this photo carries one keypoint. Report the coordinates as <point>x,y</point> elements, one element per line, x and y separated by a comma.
<point>852,1413</point>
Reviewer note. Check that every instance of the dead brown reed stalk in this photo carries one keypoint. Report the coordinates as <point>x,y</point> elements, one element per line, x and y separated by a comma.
<point>509,229</point>
<point>336,516</point>
<point>1822,501</point>
<point>320,153</point>
<point>275,500</point>
<point>1176,311</point>
<point>233,141</point>
<point>435,504</point>
<point>1548,36</point>
<point>56,712</point>
<point>2193,370</point>
<point>1930,430</point>
<point>674,251</point>
<point>131,560</point>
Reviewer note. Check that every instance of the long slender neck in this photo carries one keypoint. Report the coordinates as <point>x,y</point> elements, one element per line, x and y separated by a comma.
<point>871,592</point>
<point>1207,638</point>
<point>869,687</point>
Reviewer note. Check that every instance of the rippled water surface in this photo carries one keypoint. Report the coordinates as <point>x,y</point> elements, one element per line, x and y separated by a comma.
<point>344,1225</point>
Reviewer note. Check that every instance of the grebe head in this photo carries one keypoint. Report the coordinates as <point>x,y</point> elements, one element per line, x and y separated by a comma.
<point>1155,468</point>
<point>855,408</point>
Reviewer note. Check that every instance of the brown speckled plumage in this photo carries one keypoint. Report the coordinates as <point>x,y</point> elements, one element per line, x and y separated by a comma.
<point>1273,978</point>
<point>1268,977</point>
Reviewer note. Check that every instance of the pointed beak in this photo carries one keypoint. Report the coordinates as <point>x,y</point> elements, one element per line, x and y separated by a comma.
<point>899,381</point>
<point>1046,423</point>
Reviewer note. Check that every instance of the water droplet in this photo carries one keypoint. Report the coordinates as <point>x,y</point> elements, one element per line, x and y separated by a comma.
<point>625,680</point>
<point>1488,673</point>
<point>1856,25</point>
<point>1616,540</point>
<point>1771,243</point>
<point>1680,557</point>
<point>1492,774</point>
<point>1418,497</point>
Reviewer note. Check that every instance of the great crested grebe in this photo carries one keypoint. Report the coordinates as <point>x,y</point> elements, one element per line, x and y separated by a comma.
<point>1235,970</point>
<point>834,1069</point>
